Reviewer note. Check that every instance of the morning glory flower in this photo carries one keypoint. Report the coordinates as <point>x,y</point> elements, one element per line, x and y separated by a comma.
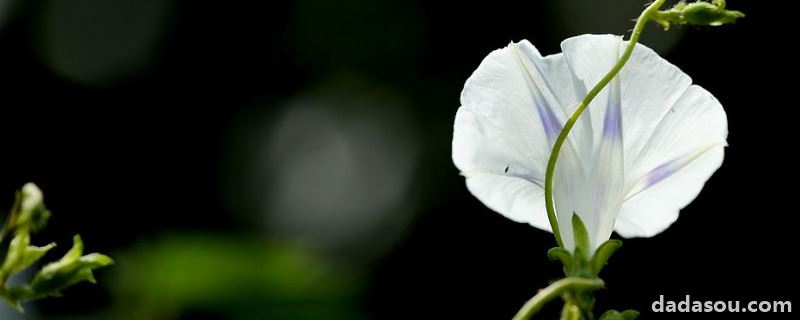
<point>642,151</point>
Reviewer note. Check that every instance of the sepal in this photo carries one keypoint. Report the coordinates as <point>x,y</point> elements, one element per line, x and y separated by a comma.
<point>580,234</point>
<point>561,254</point>
<point>582,262</point>
<point>602,254</point>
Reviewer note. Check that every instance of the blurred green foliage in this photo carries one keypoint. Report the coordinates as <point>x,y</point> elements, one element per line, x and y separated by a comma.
<point>233,278</point>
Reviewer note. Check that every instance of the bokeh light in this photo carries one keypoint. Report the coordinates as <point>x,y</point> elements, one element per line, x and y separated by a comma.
<point>101,42</point>
<point>334,171</point>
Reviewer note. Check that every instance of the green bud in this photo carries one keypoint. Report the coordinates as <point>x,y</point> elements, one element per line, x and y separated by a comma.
<point>697,13</point>
<point>32,213</point>
<point>702,13</point>
<point>31,197</point>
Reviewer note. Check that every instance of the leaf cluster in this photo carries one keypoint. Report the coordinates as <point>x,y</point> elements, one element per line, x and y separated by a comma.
<point>29,215</point>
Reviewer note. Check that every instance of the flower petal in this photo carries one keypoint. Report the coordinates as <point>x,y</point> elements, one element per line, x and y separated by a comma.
<point>668,125</point>
<point>608,178</point>
<point>600,189</point>
<point>515,198</point>
<point>511,112</point>
<point>686,148</point>
<point>650,86</point>
<point>497,170</point>
<point>570,186</point>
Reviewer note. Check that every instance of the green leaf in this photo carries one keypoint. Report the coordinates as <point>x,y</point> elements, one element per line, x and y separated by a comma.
<point>71,269</point>
<point>21,255</point>
<point>611,315</point>
<point>580,234</point>
<point>603,253</point>
<point>630,314</point>
<point>616,315</point>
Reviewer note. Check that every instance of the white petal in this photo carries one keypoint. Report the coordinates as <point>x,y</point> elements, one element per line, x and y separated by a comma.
<point>511,112</point>
<point>608,179</point>
<point>652,211</point>
<point>515,198</point>
<point>650,86</point>
<point>666,122</point>
<point>682,154</point>
<point>571,182</point>
<point>589,58</point>
<point>597,193</point>
<point>497,170</point>
<point>480,146</point>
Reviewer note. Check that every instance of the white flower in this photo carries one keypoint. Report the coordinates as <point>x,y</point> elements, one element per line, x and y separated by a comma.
<point>641,152</point>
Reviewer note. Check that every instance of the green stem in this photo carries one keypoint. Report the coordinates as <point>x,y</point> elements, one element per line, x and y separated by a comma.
<point>562,137</point>
<point>570,311</point>
<point>555,290</point>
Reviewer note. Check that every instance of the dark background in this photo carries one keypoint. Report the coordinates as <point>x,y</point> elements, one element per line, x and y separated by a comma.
<point>151,127</point>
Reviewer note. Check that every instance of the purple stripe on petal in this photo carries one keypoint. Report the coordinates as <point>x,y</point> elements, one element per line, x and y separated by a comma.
<point>612,124</point>
<point>551,126</point>
<point>660,173</point>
